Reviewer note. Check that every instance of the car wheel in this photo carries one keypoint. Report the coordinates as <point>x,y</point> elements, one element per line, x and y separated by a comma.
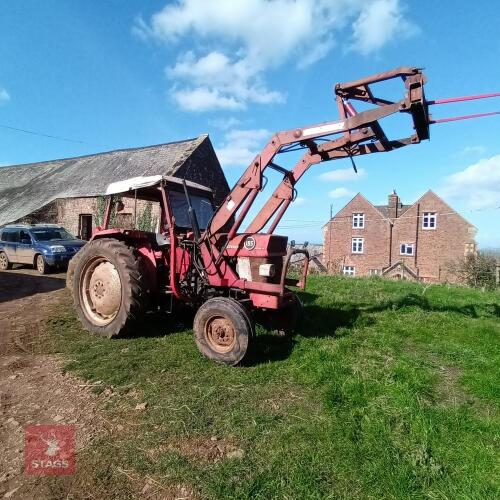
<point>41,265</point>
<point>4,262</point>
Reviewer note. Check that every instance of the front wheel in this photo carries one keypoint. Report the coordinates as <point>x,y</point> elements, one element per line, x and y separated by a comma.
<point>41,266</point>
<point>109,287</point>
<point>223,330</point>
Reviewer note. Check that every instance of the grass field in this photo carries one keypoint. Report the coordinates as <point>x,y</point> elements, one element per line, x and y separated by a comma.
<point>390,390</point>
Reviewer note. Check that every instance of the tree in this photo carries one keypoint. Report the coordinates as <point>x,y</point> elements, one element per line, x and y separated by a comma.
<point>100,209</point>
<point>146,221</point>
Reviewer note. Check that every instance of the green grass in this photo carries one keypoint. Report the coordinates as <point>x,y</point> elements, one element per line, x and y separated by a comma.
<point>389,391</point>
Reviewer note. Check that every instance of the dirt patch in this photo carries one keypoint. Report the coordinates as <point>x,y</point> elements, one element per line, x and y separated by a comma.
<point>202,449</point>
<point>26,300</point>
<point>448,388</point>
<point>33,389</point>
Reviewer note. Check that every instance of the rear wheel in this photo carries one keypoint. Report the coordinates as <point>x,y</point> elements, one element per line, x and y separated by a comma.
<point>41,266</point>
<point>291,317</point>
<point>223,330</point>
<point>70,272</point>
<point>4,262</point>
<point>109,287</point>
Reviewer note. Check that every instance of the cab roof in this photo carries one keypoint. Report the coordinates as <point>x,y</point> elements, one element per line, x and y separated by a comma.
<point>144,182</point>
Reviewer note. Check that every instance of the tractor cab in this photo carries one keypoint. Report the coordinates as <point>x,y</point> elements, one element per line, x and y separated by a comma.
<point>170,200</point>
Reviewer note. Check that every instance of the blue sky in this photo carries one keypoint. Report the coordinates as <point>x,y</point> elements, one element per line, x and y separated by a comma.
<point>116,74</point>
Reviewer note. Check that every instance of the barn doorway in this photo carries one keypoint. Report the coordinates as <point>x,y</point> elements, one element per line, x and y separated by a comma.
<point>85,226</point>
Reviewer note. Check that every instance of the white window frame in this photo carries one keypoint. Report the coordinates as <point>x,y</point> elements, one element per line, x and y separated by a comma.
<point>357,244</point>
<point>404,247</point>
<point>349,270</point>
<point>358,220</point>
<point>429,220</point>
<point>375,272</point>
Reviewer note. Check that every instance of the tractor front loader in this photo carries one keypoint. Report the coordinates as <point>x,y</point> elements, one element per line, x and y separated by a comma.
<point>199,256</point>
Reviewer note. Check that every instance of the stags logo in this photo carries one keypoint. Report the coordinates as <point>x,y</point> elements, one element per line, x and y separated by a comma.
<point>49,450</point>
<point>250,243</point>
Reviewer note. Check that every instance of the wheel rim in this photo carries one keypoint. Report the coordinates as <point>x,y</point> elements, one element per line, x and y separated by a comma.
<point>100,291</point>
<point>220,334</point>
<point>3,261</point>
<point>40,264</point>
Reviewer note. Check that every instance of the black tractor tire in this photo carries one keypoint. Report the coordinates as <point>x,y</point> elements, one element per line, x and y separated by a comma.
<point>296,313</point>
<point>223,330</point>
<point>40,265</point>
<point>5,264</point>
<point>110,289</point>
<point>70,272</point>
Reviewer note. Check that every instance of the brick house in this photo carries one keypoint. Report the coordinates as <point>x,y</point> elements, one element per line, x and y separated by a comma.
<point>67,191</point>
<point>414,241</point>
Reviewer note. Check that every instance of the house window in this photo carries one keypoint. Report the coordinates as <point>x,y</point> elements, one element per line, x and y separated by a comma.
<point>357,245</point>
<point>349,270</point>
<point>470,249</point>
<point>429,220</point>
<point>358,221</point>
<point>406,249</point>
<point>375,272</point>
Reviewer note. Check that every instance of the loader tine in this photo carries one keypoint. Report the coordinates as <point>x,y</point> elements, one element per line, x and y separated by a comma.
<point>464,117</point>
<point>449,100</point>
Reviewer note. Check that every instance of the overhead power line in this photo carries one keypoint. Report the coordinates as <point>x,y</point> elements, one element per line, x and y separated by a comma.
<point>297,223</point>
<point>49,136</point>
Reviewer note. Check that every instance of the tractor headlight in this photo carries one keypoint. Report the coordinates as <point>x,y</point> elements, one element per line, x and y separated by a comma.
<point>267,270</point>
<point>57,249</point>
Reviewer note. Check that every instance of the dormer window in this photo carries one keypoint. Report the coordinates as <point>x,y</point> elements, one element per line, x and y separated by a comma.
<point>429,220</point>
<point>358,220</point>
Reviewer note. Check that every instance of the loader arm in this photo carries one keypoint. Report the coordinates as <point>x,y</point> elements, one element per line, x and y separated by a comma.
<point>361,134</point>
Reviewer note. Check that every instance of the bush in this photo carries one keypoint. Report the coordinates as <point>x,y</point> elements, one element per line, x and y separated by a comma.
<point>475,270</point>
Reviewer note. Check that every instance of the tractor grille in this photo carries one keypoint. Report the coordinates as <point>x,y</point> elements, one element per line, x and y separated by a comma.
<point>249,268</point>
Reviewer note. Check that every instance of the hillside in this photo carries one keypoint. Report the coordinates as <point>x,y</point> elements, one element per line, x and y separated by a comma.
<point>390,390</point>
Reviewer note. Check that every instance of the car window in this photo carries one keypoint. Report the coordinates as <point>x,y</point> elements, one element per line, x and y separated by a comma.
<point>51,234</point>
<point>24,235</point>
<point>12,236</point>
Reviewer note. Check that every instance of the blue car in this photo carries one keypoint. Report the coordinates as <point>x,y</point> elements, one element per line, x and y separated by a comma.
<point>44,246</point>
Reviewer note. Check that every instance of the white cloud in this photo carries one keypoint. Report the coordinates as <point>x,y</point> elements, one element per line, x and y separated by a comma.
<point>225,123</point>
<point>343,174</point>
<point>232,84</point>
<point>234,45</point>
<point>478,185</point>
<point>299,201</point>
<point>204,99</point>
<point>340,192</point>
<point>240,147</point>
<point>4,95</point>
<point>379,23</point>
<point>471,150</point>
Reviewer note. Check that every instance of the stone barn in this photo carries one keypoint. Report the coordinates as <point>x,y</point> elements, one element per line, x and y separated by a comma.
<point>67,191</point>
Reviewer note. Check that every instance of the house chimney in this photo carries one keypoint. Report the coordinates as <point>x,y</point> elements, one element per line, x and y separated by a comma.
<point>393,205</point>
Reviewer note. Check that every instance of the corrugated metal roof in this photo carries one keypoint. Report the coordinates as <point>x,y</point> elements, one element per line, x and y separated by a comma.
<point>29,187</point>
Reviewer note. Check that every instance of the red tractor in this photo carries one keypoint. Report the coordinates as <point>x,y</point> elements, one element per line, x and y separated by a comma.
<point>199,257</point>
